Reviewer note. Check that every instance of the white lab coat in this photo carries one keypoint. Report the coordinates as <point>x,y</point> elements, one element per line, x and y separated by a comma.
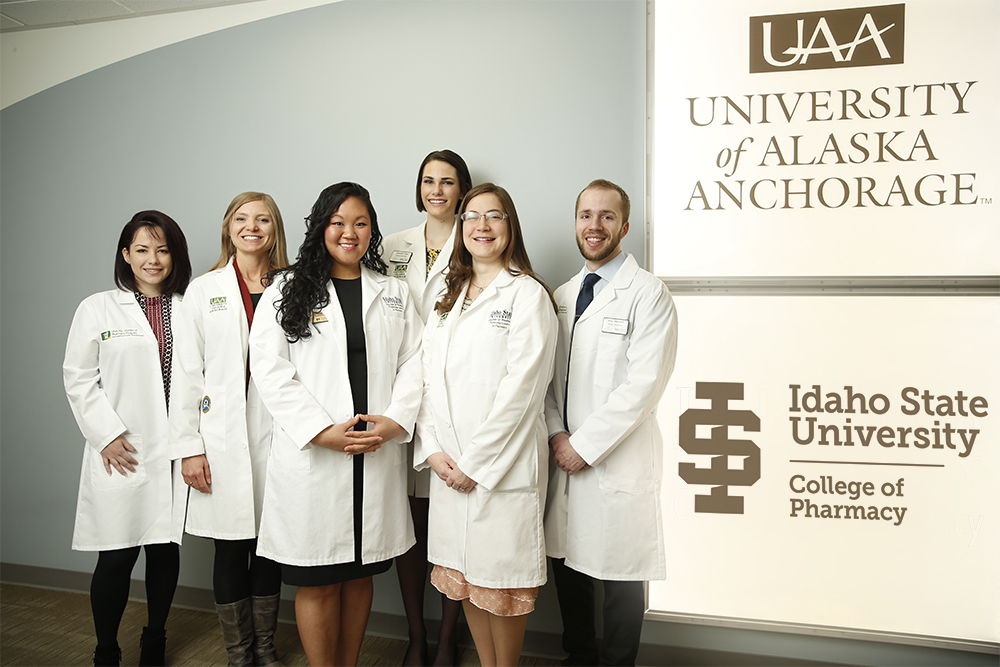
<point>485,375</point>
<point>212,411</point>
<point>115,387</point>
<point>308,514</point>
<point>624,348</point>
<point>406,254</point>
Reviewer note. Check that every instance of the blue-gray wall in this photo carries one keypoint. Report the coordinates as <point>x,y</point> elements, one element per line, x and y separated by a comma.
<point>540,97</point>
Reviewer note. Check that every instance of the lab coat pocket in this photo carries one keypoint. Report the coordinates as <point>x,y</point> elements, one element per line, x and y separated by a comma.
<point>100,479</point>
<point>609,360</point>
<point>396,452</point>
<point>509,537</point>
<point>522,476</point>
<point>286,454</point>
<point>213,419</point>
<point>627,468</point>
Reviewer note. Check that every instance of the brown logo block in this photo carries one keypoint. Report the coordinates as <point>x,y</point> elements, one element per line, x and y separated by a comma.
<point>856,37</point>
<point>719,447</point>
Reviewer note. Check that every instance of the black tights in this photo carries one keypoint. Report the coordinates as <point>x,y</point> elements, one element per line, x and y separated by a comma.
<point>109,587</point>
<point>239,572</point>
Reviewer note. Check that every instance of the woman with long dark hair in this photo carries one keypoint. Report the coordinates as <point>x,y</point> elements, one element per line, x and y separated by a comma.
<point>335,353</point>
<point>221,429</point>
<point>419,256</point>
<point>117,373</point>
<point>487,360</point>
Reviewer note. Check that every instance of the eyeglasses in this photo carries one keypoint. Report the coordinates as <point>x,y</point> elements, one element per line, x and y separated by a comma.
<point>491,216</point>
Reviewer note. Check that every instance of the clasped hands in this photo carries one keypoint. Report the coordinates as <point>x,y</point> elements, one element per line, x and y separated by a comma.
<point>448,471</point>
<point>340,437</point>
<point>565,456</point>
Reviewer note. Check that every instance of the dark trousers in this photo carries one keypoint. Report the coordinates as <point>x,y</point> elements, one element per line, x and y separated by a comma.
<point>624,605</point>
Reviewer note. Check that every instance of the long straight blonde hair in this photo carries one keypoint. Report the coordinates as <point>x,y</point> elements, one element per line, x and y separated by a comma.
<point>277,256</point>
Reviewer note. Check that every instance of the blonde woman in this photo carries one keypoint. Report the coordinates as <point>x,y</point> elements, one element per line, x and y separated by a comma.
<point>221,429</point>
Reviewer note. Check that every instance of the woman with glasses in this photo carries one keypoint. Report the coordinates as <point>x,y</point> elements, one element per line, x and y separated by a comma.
<point>117,373</point>
<point>335,352</point>
<point>221,430</point>
<point>488,352</point>
<point>419,256</point>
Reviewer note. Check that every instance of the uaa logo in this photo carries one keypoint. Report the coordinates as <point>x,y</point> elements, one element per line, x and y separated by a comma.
<point>871,36</point>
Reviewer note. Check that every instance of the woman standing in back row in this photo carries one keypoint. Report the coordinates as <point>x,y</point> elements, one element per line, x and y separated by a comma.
<point>221,429</point>
<point>419,256</point>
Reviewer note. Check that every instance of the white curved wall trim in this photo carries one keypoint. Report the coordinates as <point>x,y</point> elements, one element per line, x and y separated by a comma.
<point>34,60</point>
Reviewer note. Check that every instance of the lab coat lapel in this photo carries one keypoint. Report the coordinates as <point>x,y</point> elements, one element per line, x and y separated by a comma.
<point>442,261</point>
<point>449,325</point>
<point>372,285</point>
<point>502,280</point>
<point>414,240</point>
<point>449,441</point>
<point>231,290</point>
<point>128,301</point>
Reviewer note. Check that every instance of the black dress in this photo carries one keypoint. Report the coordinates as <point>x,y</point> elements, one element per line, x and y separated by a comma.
<point>349,295</point>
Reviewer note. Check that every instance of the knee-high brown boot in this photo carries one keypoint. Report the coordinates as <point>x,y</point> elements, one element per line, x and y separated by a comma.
<point>265,623</point>
<point>236,620</point>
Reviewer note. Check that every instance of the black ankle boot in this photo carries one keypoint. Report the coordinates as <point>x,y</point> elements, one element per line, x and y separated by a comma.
<point>109,654</point>
<point>153,648</point>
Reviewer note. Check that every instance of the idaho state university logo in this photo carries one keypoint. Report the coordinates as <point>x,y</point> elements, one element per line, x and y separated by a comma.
<point>719,475</point>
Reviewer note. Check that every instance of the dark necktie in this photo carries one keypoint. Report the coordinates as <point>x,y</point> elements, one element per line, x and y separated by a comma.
<point>583,300</point>
<point>586,294</point>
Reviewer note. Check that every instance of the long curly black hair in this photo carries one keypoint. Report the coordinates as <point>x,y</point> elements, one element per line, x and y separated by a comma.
<point>305,288</point>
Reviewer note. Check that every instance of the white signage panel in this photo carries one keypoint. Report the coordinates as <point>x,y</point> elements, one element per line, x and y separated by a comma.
<point>835,461</point>
<point>826,138</point>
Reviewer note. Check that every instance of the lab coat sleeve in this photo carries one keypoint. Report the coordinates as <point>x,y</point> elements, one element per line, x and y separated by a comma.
<point>94,413</point>
<point>649,364</point>
<point>428,443</point>
<point>518,403</point>
<point>553,407</point>
<point>553,410</point>
<point>291,405</point>
<point>407,385</point>
<point>187,384</point>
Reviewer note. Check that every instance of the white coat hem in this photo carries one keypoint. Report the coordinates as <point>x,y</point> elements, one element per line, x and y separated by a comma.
<point>317,562</point>
<point>614,576</point>
<point>123,545</point>
<point>216,535</point>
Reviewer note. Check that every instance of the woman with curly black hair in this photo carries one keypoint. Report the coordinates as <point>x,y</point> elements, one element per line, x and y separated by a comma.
<point>335,354</point>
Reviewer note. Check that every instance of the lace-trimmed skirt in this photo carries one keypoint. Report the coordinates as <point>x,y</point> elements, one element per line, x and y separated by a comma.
<point>497,601</point>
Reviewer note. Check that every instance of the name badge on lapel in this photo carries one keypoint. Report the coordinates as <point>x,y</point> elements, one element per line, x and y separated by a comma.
<point>400,256</point>
<point>613,325</point>
<point>318,317</point>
